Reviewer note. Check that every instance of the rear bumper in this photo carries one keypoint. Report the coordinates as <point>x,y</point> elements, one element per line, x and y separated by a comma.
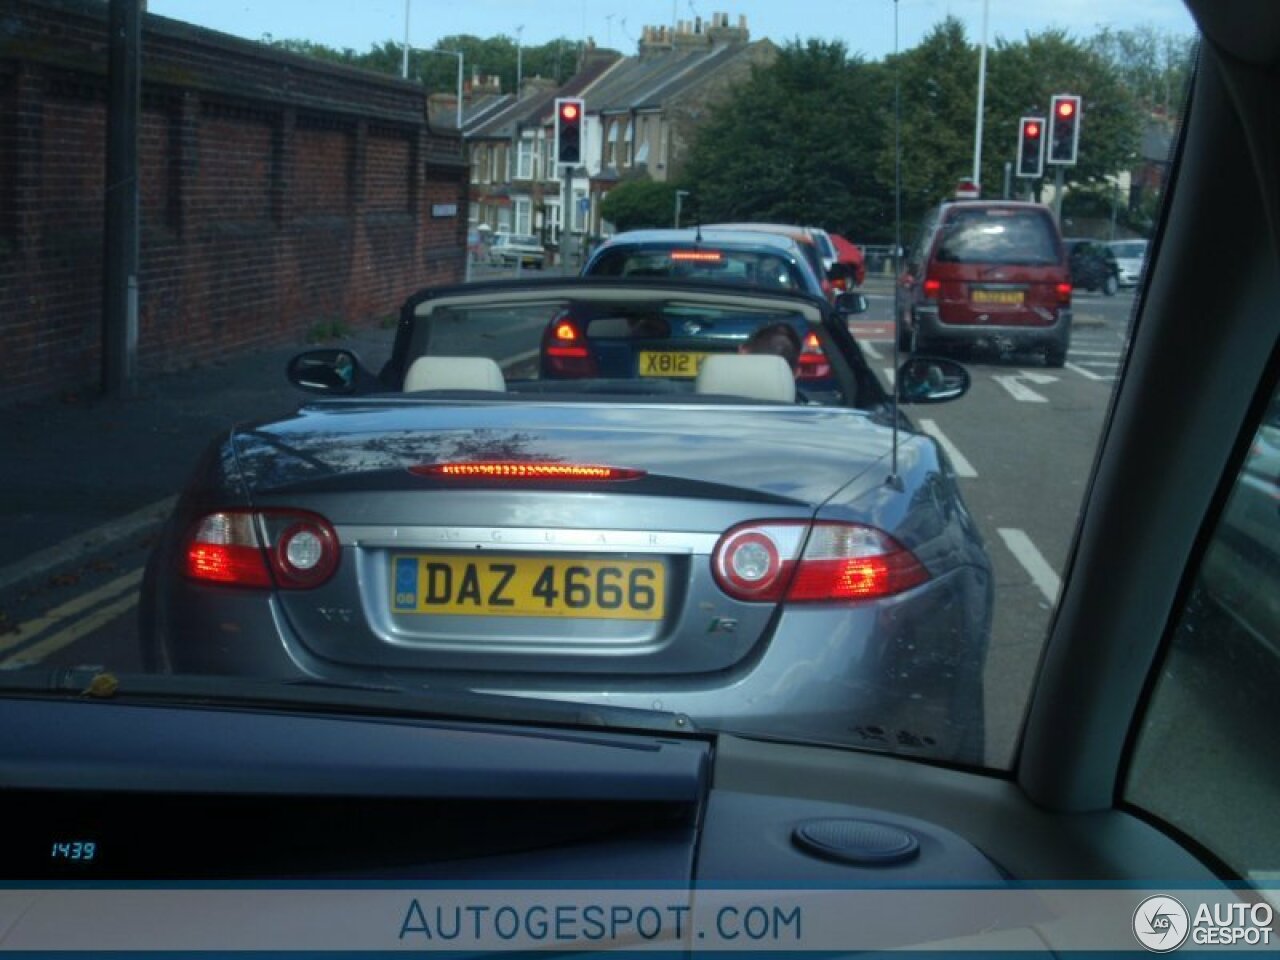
<point>864,675</point>
<point>930,329</point>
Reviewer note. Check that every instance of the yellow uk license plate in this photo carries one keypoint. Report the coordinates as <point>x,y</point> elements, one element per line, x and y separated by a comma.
<point>670,363</point>
<point>516,586</point>
<point>1014,297</point>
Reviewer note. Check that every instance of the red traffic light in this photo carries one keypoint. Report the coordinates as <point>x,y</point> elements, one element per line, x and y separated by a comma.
<point>1032,129</point>
<point>569,111</point>
<point>1066,108</point>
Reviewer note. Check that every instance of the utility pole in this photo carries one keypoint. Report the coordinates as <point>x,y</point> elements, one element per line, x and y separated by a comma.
<point>120,234</point>
<point>520,59</point>
<point>1057,195</point>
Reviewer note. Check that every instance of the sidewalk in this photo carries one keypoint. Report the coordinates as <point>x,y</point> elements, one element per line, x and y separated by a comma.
<point>76,463</point>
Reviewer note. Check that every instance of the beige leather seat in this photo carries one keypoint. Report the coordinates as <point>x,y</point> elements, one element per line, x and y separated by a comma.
<point>454,373</point>
<point>756,376</point>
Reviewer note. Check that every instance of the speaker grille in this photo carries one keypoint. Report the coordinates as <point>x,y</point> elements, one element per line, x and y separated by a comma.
<point>863,842</point>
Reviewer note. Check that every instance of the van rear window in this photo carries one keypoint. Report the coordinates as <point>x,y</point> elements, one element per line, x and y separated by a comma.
<point>997,236</point>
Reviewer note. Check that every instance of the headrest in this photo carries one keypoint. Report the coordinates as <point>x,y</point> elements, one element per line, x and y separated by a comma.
<point>454,373</point>
<point>757,376</point>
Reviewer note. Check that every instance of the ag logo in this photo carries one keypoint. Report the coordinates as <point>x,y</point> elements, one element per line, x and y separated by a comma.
<point>1161,924</point>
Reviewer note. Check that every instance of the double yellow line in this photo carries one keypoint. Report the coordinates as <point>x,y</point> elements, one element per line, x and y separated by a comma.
<point>105,604</point>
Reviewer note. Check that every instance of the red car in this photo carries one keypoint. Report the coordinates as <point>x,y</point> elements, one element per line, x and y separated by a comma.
<point>993,272</point>
<point>850,263</point>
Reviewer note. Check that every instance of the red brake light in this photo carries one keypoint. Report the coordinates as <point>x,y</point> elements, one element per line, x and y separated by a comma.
<point>840,562</point>
<point>521,470</point>
<point>564,349</point>
<point>813,362</point>
<point>697,256</point>
<point>291,549</point>
<point>932,288</point>
<point>1064,292</point>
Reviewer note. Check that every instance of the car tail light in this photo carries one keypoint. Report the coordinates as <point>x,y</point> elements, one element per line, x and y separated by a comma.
<point>840,562</point>
<point>932,288</point>
<point>813,363</point>
<point>522,470</point>
<point>697,256</point>
<point>1064,292</point>
<point>565,351</point>
<point>290,549</point>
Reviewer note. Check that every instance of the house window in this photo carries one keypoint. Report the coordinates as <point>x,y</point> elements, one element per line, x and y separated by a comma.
<point>579,201</point>
<point>476,168</point>
<point>548,164</point>
<point>524,162</point>
<point>629,130</point>
<point>524,216</point>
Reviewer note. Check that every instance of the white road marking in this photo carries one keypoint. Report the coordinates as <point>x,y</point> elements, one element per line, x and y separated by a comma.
<point>1095,353</point>
<point>888,375</point>
<point>32,628</point>
<point>1025,552</point>
<point>1036,377</point>
<point>963,467</point>
<point>869,350</point>
<point>64,638</point>
<point>71,549</point>
<point>1020,391</point>
<point>1086,373</point>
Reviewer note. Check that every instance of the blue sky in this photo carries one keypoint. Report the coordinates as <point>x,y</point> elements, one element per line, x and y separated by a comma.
<point>865,25</point>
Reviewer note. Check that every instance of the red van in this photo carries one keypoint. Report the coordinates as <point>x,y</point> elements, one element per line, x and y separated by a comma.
<point>984,271</point>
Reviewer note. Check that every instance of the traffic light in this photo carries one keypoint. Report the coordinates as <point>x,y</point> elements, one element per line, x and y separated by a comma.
<point>569,130</point>
<point>1031,147</point>
<point>1064,133</point>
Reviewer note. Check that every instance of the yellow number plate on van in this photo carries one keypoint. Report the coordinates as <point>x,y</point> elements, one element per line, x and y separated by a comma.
<point>1014,297</point>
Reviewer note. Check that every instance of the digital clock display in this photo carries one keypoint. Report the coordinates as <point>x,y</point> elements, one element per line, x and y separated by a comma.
<point>82,850</point>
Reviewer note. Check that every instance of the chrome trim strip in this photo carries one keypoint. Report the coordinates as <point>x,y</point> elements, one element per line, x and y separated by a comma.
<point>540,539</point>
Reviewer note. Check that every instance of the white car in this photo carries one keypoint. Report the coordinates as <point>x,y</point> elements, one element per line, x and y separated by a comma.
<point>512,248</point>
<point>1131,257</point>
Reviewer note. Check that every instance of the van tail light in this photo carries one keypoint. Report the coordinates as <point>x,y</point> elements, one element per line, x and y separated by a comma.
<point>840,562</point>
<point>932,288</point>
<point>565,352</point>
<point>1064,293</point>
<point>289,549</point>
<point>813,363</point>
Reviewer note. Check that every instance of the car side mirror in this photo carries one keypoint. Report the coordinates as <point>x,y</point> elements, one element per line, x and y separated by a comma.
<point>329,371</point>
<point>931,380</point>
<point>849,304</point>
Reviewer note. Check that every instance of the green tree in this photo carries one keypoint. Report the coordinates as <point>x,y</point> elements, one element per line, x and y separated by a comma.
<point>796,144</point>
<point>637,204</point>
<point>939,79</point>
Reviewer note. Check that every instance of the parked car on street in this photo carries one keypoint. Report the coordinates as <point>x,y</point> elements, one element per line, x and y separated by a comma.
<point>1131,258</point>
<point>510,249</point>
<point>989,272</point>
<point>1093,266</point>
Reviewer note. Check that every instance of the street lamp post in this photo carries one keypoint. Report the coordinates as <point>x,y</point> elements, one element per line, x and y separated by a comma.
<point>404,54</point>
<point>519,59</point>
<point>982,90</point>
<point>680,195</point>
<point>458,54</point>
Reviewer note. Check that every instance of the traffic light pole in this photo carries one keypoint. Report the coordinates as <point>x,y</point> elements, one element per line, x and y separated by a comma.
<point>1057,194</point>
<point>566,218</point>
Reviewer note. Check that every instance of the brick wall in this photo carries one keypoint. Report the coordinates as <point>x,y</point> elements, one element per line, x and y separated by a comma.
<point>276,193</point>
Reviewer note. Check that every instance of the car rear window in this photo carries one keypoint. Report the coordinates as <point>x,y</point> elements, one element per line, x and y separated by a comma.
<point>997,236</point>
<point>1132,250</point>
<point>701,263</point>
